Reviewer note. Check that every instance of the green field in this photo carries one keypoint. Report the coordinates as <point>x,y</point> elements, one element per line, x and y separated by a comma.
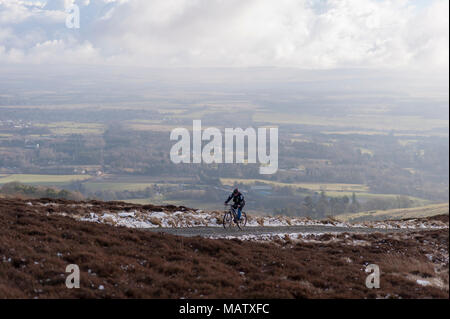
<point>67,128</point>
<point>41,179</point>
<point>152,127</point>
<point>316,187</point>
<point>119,186</point>
<point>401,213</point>
<point>374,122</point>
<point>366,195</point>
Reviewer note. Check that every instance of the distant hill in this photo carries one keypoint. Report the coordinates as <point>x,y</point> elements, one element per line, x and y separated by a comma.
<point>400,213</point>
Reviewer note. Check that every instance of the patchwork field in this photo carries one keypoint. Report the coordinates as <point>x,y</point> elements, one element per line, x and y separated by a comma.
<point>64,128</point>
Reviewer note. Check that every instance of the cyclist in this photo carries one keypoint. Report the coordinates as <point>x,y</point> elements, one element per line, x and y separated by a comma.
<point>238,202</point>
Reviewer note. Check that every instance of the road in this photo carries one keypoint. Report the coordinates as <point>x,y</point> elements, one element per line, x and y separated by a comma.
<point>261,230</point>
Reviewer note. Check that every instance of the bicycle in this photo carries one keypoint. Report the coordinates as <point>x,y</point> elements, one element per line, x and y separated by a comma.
<point>230,216</point>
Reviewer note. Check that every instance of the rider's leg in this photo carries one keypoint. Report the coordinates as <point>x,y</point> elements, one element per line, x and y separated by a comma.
<point>235,213</point>
<point>239,213</point>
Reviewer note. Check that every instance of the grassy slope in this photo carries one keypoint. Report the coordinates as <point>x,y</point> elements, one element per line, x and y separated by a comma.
<point>36,245</point>
<point>401,213</point>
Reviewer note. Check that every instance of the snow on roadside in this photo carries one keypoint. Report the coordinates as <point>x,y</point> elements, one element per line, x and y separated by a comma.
<point>190,218</point>
<point>310,237</point>
<point>270,236</point>
<point>141,218</point>
<point>149,219</point>
<point>403,224</point>
<point>423,282</point>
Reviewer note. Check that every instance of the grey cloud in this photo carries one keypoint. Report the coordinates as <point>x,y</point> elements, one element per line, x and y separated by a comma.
<point>304,34</point>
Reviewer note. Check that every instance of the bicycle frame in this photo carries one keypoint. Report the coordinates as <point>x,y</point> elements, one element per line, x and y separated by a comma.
<point>232,211</point>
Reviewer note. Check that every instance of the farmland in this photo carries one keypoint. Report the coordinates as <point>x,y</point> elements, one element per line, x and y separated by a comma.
<point>374,122</point>
<point>316,187</point>
<point>401,213</point>
<point>67,128</point>
<point>359,159</point>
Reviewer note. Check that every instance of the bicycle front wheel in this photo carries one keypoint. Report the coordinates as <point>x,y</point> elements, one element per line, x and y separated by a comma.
<point>227,220</point>
<point>243,221</point>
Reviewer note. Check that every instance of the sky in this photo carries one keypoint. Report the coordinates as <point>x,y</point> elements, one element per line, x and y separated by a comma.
<point>310,34</point>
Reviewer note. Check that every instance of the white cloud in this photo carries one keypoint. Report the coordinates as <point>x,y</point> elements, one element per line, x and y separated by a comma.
<point>305,34</point>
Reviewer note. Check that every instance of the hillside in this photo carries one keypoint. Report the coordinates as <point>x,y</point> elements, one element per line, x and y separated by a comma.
<point>401,213</point>
<point>37,243</point>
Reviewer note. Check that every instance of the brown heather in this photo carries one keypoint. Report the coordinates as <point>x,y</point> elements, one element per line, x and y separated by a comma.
<point>36,245</point>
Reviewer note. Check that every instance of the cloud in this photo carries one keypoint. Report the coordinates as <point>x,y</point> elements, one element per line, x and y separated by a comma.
<point>233,33</point>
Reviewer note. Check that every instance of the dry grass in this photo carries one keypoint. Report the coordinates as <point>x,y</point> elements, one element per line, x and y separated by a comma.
<point>398,263</point>
<point>36,244</point>
<point>155,221</point>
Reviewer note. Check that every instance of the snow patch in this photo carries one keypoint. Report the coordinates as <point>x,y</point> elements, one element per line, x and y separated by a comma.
<point>423,282</point>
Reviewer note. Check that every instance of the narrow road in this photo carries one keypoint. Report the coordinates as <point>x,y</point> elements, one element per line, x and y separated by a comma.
<point>261,230</point>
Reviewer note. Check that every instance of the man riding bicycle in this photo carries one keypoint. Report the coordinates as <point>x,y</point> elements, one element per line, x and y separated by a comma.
<point>238,202</point>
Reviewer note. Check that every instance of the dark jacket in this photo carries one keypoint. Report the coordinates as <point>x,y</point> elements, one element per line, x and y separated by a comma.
<point>238,200</point>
